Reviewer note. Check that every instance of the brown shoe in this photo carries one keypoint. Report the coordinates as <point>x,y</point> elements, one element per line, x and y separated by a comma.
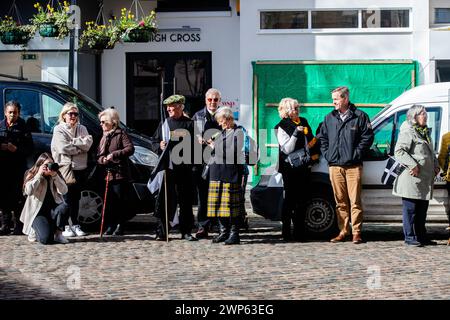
<point>339,238</point>
<point>357,238</point>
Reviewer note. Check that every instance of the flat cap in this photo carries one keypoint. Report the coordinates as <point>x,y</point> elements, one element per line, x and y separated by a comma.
<point>176,98</point>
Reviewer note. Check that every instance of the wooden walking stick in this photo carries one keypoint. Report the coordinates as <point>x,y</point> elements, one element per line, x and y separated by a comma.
<point>104,203</point>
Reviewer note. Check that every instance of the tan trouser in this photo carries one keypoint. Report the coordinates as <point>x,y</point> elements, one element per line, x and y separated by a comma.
<point>346,183</point>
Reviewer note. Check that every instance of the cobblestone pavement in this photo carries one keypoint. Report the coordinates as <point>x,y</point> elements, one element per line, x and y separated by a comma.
<point>263,267</point>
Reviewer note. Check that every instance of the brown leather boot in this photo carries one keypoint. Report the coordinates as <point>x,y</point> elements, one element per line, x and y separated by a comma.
<point>339,238</point>
<point>357,238</point>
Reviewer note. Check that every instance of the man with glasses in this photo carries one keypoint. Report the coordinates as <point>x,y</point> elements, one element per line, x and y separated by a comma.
<point>174,139</point>
<point>205,128</point>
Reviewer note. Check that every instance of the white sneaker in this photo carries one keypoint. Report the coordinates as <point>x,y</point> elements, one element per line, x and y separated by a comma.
<point>60,238</point>
<point>68,232</point>
<point>77,229</point>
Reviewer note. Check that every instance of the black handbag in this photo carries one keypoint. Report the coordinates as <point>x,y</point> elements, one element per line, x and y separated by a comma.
<point>299,158</point>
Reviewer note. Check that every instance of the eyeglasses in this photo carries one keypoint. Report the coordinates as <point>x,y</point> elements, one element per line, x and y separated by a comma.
<point>211,99</point>
<point>75,114</point>
<point>104,122</point>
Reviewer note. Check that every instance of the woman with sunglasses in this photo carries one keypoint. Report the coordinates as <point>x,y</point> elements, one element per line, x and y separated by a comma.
<point>70,145</point>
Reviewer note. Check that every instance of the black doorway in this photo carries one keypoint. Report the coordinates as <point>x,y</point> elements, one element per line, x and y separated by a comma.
<point>152,75</point>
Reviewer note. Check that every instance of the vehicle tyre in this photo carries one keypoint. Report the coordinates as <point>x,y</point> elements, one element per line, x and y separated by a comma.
<point>320,219</point>
<point>90,212</point>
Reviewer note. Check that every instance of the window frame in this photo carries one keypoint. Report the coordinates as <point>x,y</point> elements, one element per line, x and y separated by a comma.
<point>434,16</point>
<point>359,29</point>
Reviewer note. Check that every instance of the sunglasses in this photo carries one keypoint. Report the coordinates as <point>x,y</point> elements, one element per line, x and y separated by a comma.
<point>211,99</point>
<point>75,114</point>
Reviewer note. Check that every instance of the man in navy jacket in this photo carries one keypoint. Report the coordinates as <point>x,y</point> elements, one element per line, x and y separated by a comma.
<point>345,136</point>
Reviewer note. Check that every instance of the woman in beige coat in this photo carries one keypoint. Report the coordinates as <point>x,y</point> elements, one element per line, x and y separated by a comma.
<point>70,145</point>
<point>45,213</point>
<point>414,150</point>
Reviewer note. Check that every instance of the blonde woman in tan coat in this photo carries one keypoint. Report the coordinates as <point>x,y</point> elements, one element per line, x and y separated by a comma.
<point>70,145</point>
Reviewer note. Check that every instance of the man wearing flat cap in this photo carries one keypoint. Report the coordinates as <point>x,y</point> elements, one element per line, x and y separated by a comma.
<point>174,138</point>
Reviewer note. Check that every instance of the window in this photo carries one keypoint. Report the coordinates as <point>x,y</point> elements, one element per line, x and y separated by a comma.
<point>334,19</point>
<point>442,15</point>
<point>385,18</point>
<point>51,109</point>
<point>442,70</point>
<point>381,145</point>
<point>284,20</point>
<point>30,107</point>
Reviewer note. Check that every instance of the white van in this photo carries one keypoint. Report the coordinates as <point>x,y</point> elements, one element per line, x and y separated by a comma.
<point>378,202</point>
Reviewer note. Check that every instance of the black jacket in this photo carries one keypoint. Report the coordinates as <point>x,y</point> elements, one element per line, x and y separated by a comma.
<point>19,136</point>
<point>288,126</point>
<point>344,143</point>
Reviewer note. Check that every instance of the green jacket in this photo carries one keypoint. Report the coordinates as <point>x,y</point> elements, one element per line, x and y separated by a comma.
<point>412,150</point>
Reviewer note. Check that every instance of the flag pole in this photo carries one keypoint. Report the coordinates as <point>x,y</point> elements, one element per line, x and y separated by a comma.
<point>165,205</point>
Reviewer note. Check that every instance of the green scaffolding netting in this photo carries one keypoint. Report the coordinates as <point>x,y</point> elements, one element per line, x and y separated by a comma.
<point>371,82</point>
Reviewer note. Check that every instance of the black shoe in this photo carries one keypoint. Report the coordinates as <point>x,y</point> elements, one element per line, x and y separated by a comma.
<point>428,243</point>
<point>160,237</point>
<point>188,237</point>
<point>109,231</point>
<point>220,238</point>
<point>4,230</point>
<point>202,233</point>
<point>118,231</point>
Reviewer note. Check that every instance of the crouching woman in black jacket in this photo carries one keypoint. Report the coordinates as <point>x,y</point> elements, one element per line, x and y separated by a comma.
<point>45,213</point>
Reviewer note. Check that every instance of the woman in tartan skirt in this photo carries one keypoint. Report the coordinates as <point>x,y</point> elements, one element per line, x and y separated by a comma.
<point>226,177</point>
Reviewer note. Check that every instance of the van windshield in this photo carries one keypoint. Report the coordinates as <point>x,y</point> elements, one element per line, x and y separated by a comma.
<point>381,111</point>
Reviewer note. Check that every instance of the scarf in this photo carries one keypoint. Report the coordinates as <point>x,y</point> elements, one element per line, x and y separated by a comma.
<point>423,132</point>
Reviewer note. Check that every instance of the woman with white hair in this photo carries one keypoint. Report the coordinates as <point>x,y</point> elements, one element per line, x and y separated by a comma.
<point>71,142</point>
<point>114,149</point>
<point>414,149</point>
<point>227,177</point>
<point>293,133</point>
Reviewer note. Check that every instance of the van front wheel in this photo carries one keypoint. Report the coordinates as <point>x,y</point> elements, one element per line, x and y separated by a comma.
<point>320,220</point>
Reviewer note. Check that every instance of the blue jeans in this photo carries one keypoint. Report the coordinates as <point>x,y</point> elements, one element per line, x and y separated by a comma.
<point>45,229</point>
<point>414,216</point>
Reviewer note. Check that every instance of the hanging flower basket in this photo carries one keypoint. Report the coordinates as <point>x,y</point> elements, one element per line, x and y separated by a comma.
<point>136,30</point>
<point>99,37</point>
<point>13,33</point>
<point>138,35</point>
<point>16,37</point>
<point>51,22</point>
<point>48,30</point>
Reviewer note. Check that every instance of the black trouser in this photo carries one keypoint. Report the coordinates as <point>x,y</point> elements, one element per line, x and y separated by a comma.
<point>179,191</point>
<point>116,203</point>
<point>73,195</point>
<point>45,228</point>
<point>202,186</point>
<point>11,198</point>
<point>296,194</point>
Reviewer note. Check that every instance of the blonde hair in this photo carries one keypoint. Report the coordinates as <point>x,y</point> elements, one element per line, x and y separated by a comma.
<point>66,108</point>
<point>286,106</point>
<point>112,116</point>
<point>224,113</point>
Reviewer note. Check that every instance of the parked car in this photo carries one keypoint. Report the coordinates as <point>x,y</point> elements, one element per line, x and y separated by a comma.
<point>41,104</point>
<point>378,202</point>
